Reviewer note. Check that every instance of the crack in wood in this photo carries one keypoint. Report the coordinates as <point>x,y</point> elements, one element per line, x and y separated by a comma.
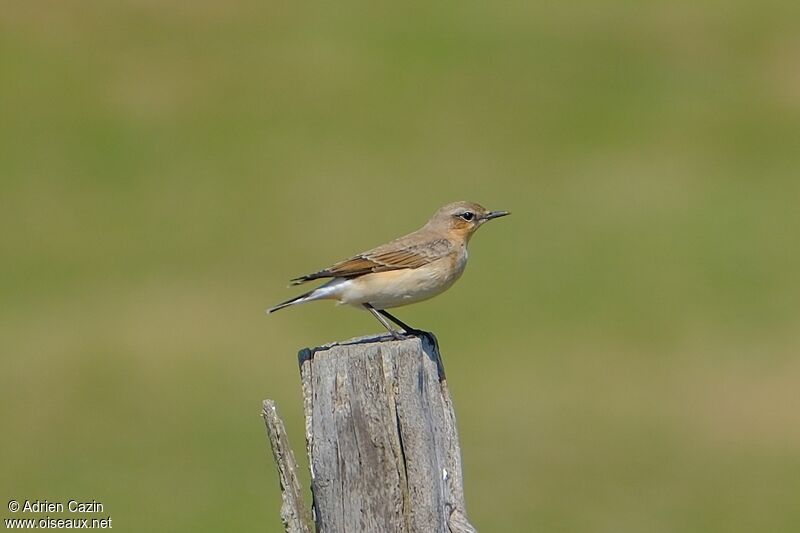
<point>381,438</point>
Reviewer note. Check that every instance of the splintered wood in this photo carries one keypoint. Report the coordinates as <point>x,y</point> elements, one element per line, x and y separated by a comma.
<point>381,437</point>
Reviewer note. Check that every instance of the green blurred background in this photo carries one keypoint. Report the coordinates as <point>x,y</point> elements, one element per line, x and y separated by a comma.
<point>622,350</point>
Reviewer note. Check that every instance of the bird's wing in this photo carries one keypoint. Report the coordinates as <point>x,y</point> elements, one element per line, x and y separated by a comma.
<point>395,255</point>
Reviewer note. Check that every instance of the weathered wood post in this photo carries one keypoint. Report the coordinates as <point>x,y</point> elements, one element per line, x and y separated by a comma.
<point>381,439</point>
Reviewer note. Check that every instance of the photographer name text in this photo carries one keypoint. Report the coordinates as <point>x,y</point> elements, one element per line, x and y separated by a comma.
<point>72,506</point>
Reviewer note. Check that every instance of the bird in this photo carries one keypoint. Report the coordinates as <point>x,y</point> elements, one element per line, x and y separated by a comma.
<point>407,270</point>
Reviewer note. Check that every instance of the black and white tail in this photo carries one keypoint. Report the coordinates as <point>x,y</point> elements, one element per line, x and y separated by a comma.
<point>296,300</point>
<point>329,290</point>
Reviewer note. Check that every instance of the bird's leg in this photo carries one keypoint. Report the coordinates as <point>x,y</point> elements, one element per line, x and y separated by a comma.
<point>383,321</point>
<point>408,329</point>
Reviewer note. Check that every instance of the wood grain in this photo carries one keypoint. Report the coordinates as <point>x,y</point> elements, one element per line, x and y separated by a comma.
<point>381,438</point>
<point>294,512</point>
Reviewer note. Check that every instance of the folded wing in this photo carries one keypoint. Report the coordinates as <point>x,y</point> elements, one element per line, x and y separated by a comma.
<point>392,256</point>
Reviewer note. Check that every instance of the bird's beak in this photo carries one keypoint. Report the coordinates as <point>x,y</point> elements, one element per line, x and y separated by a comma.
<point>495,214</point>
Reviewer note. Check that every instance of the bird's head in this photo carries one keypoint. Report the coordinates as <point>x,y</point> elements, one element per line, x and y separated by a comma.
<point>462,219</point>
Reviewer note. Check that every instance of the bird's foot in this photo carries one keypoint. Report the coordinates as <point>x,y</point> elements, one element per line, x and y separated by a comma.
<point>405,334</point>
<point>413,332</point>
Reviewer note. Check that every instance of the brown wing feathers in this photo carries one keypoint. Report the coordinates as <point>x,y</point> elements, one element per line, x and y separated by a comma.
<point>356,266</point>
<point>392,256</point>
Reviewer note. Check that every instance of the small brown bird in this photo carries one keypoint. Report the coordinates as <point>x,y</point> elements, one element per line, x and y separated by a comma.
<point>410,269</point>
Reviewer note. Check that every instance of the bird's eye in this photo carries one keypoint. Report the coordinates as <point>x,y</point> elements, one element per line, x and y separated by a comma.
<point>467,216</point>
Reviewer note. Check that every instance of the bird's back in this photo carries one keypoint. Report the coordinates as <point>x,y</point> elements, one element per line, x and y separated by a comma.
<point>410,251</point>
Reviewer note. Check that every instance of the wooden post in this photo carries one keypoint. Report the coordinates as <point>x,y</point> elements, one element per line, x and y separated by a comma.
<point>381,438</point>
<point>294,512</point>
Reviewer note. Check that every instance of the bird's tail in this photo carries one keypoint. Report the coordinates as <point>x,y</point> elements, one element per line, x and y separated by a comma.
<point>330,290</point>
<point>306,297</point>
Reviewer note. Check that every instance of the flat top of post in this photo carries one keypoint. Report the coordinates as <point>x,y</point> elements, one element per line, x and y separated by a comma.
<point>426,340</point>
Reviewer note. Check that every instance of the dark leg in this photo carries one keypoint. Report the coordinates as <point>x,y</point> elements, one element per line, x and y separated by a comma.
<point>406,327</point>
<point>383,321</point>
<point>412,331</point>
